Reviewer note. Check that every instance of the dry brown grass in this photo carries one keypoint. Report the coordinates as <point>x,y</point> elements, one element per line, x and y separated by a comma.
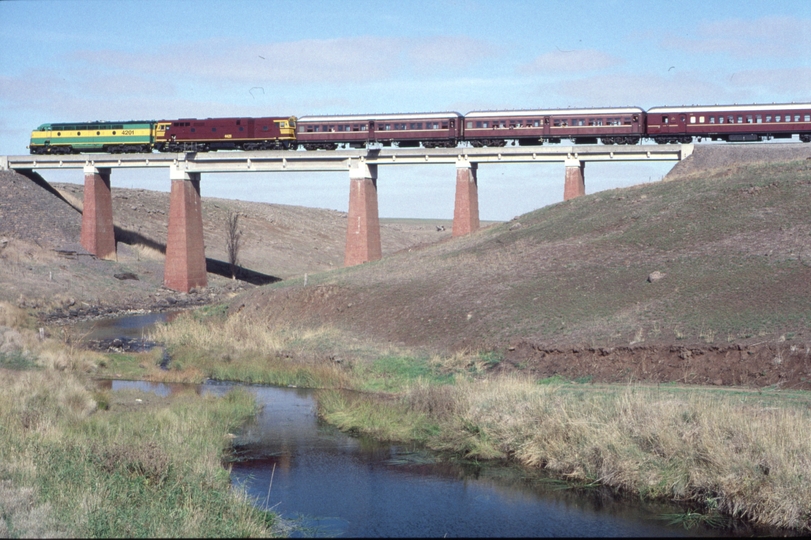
<point>745,458</point>
<point>22,516</point>
<point>40,400</point>
<point>236,334</point>
<point>12,316</point>
<point>241,348</point>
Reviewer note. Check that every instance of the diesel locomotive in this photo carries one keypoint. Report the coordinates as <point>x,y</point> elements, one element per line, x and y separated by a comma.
<point>612,125</point>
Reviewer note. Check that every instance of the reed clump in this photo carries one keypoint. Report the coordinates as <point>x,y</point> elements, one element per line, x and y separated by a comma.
<point>243,349</point>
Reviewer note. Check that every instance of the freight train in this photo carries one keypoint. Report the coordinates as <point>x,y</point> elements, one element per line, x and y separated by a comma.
<point>613,125</point>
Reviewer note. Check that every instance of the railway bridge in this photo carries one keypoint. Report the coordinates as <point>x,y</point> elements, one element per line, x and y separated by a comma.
<point>185,265</point>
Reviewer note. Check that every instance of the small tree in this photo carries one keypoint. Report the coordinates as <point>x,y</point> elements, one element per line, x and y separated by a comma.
<point>232,241</point>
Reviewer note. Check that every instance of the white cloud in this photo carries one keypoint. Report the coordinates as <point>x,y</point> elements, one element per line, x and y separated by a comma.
<point>791,81</point>
<point>640,89</point>
<point>311,61</point>
<point>570,61</point>
<point>764,37</point>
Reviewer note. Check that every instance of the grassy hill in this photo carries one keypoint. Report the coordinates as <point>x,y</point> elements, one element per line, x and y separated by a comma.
<point>732,244</point>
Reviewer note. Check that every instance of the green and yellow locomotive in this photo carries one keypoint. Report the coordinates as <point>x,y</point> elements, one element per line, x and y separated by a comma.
<point>111,137</point>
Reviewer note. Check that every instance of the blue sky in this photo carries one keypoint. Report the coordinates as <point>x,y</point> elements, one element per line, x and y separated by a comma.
<point>72,60</point>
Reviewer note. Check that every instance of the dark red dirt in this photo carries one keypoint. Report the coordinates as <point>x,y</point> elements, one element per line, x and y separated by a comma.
<point>780,365</point>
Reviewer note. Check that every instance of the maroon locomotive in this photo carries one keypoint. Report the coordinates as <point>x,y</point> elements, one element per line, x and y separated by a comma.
<point>193,135</point>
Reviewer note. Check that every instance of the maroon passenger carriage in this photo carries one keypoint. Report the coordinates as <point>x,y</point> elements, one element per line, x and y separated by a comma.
<point>433,130</point>
<point>615,125</point>
<point>730,122</point>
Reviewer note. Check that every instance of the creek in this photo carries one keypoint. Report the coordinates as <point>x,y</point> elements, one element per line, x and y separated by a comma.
<point>326,483</point>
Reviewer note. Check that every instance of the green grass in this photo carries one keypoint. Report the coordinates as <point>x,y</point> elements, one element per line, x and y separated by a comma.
<point>394,373</point>
<point>120,472</point>
<point>17,361</point>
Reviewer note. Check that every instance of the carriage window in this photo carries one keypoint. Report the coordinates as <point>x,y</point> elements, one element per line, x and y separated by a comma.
<point>692,119</point>
<point>807,118</point>
<point>536,123</point>
<point>445,124</point>
<point>759,119</point>
<point>796,117</point>
<point>363,127</point>
<point>740,119</point>
<point>720,119</point>
<point>557,123</point>
<point>700,119</point>
<point>768,118</point>
<point>470,124</point>
<point>748,118</point>
<point>579,121</point>
<point>712,119</point>
<point>777,118</point>
<point>665,120</point>
<point>626,121</point>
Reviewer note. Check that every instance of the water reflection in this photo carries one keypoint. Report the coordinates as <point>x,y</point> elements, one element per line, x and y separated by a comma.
<point>161,389</point>
<point>331,484</point>
<point>122,334</point>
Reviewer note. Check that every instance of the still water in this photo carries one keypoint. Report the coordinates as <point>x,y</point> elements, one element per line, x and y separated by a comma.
<point>127,333</point>
<point>329,484</point>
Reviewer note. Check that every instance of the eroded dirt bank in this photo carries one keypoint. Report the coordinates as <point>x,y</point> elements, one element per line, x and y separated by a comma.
<point>785,365</point>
